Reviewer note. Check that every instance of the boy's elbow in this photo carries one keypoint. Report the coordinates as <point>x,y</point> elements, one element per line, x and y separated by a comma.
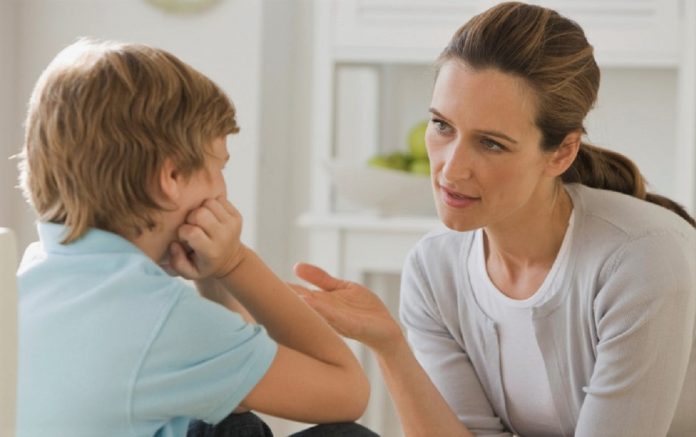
<point>359,390</point>
<point>363,397</point>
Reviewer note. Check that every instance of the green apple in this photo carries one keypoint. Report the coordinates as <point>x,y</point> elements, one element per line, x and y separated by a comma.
<point>393,161</point>
<point>420,166</point>
<point>416,140</point>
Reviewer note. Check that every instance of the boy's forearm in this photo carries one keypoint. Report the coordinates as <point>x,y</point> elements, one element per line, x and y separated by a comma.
<point>287,318</point>
<point>213,289</point>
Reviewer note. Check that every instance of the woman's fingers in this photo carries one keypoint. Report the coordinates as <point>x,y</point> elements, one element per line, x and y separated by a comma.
<point>316,276</point>
<point>299,289</point>
<point>324,304</point>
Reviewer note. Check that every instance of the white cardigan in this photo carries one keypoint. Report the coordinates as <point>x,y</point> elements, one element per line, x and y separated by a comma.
<point>618,339</point>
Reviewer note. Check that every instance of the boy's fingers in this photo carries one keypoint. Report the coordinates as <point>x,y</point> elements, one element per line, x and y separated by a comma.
<point>229,207</point>
<point>193,236</point>
<point>316,276</point>
<point>179,261</point>
<point>205,219</point>
<point>218,210</point>
<point>167,267</point>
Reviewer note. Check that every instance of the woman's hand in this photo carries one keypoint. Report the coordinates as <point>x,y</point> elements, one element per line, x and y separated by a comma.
<point>355,312</point>
<point>351,309</point>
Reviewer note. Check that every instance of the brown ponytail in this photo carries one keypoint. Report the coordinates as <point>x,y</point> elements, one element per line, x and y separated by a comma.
<point>605,169</point>
<point>551,53</point>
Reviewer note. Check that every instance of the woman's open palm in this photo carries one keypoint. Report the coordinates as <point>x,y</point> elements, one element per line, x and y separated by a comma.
<point>351,309</point>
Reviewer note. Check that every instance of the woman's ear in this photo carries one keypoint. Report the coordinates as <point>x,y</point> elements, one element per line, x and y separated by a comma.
<point>562,158</point>
<point>170,182</point>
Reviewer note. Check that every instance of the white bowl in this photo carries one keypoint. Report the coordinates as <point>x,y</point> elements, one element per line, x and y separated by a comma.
<point>390,192</point>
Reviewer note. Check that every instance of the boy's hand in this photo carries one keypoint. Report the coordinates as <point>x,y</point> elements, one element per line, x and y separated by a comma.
<point>209,242</point>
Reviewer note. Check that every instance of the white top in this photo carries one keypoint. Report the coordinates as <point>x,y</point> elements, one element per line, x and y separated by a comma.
<point>616,334</point>
<point>525,382</point>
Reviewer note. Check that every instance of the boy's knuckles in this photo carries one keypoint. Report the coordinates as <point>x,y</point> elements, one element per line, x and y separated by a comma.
<point>195,235</point>
<point>202,216</point>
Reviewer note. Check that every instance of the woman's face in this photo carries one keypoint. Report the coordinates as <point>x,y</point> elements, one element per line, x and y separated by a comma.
<point>487,164</point>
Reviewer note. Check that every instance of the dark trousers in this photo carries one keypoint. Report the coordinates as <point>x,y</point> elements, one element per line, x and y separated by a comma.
<point>250,425</point>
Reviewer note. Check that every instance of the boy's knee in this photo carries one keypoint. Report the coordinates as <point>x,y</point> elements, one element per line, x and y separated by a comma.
<point>348,429</point>
<point>235,425</point>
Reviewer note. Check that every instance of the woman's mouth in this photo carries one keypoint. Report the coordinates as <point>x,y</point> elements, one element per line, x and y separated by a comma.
<point>455,199</point>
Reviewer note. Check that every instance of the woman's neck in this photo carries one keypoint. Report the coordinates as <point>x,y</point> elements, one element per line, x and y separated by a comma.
<point>520,252</point>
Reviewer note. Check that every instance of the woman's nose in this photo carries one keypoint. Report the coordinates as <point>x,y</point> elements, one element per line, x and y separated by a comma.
<point>457,163</point>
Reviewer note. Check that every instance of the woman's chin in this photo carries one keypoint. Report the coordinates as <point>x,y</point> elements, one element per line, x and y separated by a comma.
<point>459,224</point>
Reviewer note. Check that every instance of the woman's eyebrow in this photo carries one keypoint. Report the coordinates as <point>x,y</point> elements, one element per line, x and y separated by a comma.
<point>437,113</point>
<point>492,133</point>
<point>497,134</point>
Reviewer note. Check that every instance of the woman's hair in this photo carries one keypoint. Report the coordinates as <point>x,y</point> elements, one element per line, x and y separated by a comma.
<point>102,119</point>
<point>551,53</point>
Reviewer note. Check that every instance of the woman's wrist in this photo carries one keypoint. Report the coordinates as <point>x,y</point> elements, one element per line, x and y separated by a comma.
<point>394,345</point>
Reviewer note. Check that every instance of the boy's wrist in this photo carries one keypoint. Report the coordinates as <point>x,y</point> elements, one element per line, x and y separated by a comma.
<point>233,263</point>
<point>210,288</point>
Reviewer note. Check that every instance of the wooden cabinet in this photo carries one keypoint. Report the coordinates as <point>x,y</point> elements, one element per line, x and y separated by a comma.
<point>625,32</point>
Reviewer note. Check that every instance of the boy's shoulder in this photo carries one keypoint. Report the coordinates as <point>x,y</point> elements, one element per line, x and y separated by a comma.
<point>99,260</point>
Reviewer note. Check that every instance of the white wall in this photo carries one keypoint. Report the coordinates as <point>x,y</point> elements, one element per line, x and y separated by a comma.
<point>223,42</point>
<point>284,150</point>
<point>285,146</point>
<point>640,122</point>
<point>10,198</point>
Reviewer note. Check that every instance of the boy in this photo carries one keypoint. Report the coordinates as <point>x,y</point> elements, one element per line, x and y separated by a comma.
<point>122,160</point>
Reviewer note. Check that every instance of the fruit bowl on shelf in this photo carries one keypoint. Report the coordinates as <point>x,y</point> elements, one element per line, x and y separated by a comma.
<point>386,191</point>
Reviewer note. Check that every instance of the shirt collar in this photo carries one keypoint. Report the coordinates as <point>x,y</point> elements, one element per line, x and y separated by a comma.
<point>93,241</point>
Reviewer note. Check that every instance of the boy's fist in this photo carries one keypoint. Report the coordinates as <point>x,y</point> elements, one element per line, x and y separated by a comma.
<point>209,243</point>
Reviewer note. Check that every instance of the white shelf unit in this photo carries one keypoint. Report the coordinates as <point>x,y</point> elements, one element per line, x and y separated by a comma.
<point>372,75</point>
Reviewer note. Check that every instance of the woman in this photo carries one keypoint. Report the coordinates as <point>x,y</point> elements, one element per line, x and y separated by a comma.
<point>561,300</point>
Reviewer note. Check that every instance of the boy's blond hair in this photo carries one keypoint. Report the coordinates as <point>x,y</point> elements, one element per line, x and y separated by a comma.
<point>102,119</point>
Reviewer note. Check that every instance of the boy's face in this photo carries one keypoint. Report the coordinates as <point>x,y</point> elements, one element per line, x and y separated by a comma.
<point>209,181</point>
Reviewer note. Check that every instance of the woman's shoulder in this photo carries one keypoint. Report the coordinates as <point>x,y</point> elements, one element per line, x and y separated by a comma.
<point>444,242</point>
<point>616,231</point>
<point>604,212</point>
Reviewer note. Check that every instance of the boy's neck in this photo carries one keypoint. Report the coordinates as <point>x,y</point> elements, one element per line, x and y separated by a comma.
<point>153,243</point>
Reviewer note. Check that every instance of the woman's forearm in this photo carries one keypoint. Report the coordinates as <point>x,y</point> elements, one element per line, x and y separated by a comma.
<point>421,408</point>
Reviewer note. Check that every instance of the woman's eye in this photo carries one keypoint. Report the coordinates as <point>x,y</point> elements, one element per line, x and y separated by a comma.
<point>440,126</point>
<point>493,146</point>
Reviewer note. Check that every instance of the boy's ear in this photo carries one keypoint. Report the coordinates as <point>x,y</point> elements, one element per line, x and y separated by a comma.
<point>170,181</point>
<point>563,157</point>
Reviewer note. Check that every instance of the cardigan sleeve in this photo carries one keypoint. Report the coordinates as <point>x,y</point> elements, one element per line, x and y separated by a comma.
<point>444,360</point>
<point>644,314</point>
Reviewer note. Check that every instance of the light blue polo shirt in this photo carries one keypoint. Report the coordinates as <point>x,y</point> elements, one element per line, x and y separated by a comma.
<point>110,344</point>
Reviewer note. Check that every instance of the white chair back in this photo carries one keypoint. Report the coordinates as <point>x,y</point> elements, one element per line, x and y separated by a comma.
<point>8,332</point>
